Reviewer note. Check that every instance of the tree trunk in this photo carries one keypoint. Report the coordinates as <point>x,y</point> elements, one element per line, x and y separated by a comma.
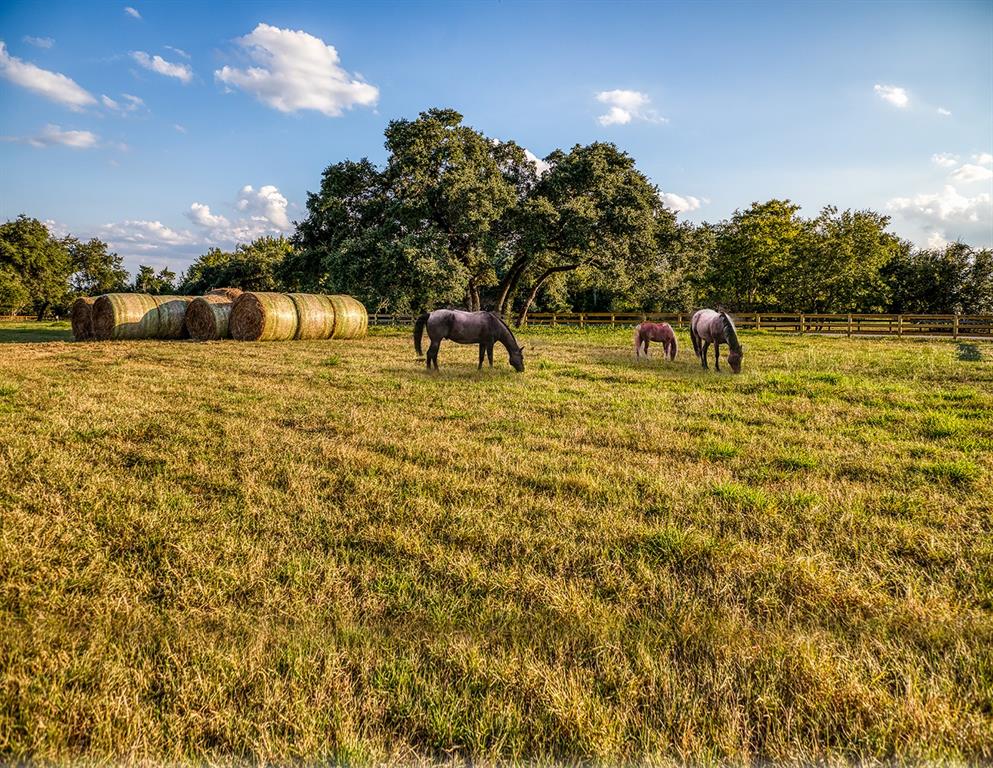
<point>473,295</point>
<point>537,287</point>
<point>41,311</point>
<point>509,283</point>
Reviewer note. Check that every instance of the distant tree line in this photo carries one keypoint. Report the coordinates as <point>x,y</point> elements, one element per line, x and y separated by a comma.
<point>456,218</point>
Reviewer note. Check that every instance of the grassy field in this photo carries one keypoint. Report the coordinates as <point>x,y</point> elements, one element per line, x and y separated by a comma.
<point>319,551</point>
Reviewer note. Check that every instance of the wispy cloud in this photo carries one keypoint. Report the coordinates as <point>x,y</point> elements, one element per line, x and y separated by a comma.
<point>943,112</point>
<point>181,72</point>
<point>893,94</point>
<point>944,159</point>
<point>39,42</point>
<point>177,51</point>
<point>128,103</point>
<point>297,71</point>
<point>131,12</point>
<point>51,85</point>
<point>626,106</point>
<point>53,135</point>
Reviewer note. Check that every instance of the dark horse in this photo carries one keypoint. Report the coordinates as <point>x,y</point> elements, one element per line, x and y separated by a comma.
<point>482,328</point>
<point>647,332</point>
<point>708,326</point>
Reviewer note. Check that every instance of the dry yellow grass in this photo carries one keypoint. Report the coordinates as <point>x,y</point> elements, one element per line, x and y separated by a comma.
<point>318,551</point>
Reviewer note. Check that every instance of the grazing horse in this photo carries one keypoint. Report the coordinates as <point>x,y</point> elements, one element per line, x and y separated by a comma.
<point>708,326</point>
<point>482,328</point>
<point>647,332</point>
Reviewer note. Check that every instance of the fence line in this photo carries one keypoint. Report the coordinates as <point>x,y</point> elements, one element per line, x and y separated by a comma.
<point>854,324</point>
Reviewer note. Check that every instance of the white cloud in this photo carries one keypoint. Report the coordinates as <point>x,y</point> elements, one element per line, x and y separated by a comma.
<point>969,173</point>
<point>944,112</point>
<point>626,106</point>
<point>131,103</point>
<point>131,12</point>
<point>539,165</point>
<point>201,216</point>
<point>39,42</point>
<point>178,51</point>
<point>156,63</point>
<point>936,241</point>
<point>983,158</point>
<point>681,203</point>
<point>52,135</point>
<point>894,94</point>
<point>141,235</point>
<point>179,128</point>
<point>52,85</point>
<point>949,214</point>
<point>944,159</point>
<point>263,212</point>
<point>296,71</point>
<point>266,204</point>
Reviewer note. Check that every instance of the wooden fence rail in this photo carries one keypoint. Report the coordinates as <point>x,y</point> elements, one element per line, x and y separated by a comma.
<point>951,326</point>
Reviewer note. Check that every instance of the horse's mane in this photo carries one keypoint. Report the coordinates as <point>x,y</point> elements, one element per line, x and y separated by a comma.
<point>731,332</point>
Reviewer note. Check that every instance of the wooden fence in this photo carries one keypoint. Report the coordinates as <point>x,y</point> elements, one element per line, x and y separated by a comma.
<point>951,326</point>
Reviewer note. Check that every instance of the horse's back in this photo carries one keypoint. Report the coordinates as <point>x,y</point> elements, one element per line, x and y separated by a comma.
<point>702,320</point>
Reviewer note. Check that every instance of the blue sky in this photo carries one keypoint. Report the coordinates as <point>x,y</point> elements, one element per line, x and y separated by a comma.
<point>165,128</point>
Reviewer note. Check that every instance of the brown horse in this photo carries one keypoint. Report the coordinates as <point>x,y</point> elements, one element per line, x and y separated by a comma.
<point>647,332</point>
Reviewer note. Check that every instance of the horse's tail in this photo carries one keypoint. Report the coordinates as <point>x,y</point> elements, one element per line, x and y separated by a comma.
<point>419,332</point>
<point>637,340</point>
<point>674,346</point>
<point>695,339</point>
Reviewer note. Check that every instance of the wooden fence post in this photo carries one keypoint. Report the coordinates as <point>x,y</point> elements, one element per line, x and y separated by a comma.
<point>612,319</point>
<point>554,318</point>
<point>582,320</point>
<point>802,322</point>
<point>955,326</point>
<point>849,325</point>
<point>899,325</point>
<point>758,321</point>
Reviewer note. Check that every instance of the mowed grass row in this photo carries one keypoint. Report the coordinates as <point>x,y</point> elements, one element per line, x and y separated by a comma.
<point>319,551</point>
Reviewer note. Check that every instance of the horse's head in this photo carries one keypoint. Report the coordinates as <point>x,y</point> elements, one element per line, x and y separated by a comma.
<point>517,359</point>
<point>734,360</point>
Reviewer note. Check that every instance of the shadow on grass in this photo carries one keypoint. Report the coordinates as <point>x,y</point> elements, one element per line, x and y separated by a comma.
<point>34,332</point>
<point>969,352</point>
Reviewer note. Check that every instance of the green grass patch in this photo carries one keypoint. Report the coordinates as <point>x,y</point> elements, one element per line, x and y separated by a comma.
<point>318,552</point>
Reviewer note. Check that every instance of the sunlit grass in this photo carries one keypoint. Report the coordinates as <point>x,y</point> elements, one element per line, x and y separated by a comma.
<point>319,551</point>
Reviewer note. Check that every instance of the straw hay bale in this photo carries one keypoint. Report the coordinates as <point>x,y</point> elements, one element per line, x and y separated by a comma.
<point>172,316</point>
<point>261,316</point>
<point>351,318</point>
<point>82,318</point>
<point>230,293</point>
<point>125,316</point>
<point>207,317</point>
<point>315,316</point>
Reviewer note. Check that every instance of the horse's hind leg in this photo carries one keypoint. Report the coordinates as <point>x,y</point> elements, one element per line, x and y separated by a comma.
<point>432,355</point>
<point>703,352</point>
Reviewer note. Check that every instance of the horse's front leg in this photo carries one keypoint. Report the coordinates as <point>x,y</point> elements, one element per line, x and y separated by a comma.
<point>489,353</point>
<point>703,353</point>
<point>647,353</point>
<point>482,354</point>
<point>717,356</point>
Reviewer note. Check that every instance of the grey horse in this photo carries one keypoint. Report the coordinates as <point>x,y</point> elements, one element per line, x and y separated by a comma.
<point>709,326</point>
<point>482,328</point>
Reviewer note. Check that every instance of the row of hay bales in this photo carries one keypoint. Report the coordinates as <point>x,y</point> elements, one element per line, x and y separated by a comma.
<point>224,313</point>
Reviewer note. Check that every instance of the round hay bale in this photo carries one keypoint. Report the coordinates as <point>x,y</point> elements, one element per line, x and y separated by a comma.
<point>207,317</point>
<point>125,316</point>
<point>350,318</point>
<point>315,316</point>
<point>82,318</point>
<point>231,293</point>
<point>260,316</point>
<point>172,316</point>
